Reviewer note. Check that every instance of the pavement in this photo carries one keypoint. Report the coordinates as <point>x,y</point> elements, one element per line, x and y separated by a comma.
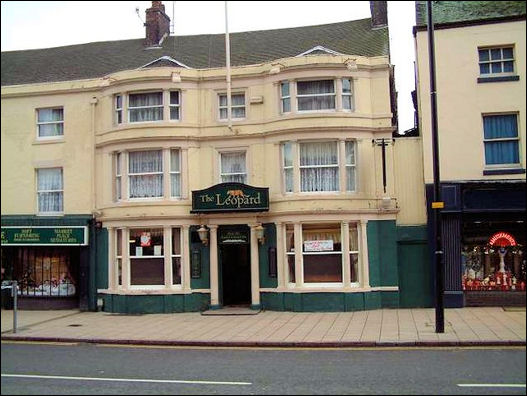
<point>470,326</point>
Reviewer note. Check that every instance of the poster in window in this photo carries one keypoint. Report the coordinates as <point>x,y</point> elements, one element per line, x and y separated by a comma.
<point>157,250</point>
<point>145,239</point>
<point>318,246</point>
<point>138,251</point>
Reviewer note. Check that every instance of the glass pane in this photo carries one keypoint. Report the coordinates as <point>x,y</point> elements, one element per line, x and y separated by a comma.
<point>119,241</point>
<point>147,114</point>
<point>233,162</point>
<point>238,112</point>
<point>146,186</point>
<point>174,97</point>
<point>288,179</point>
<point>350,153</point>
<point>118,102</point>
<point>288,154</point>
<point>483,55</point>
<point>120,117</point>
<point>118,188</point>
<point>508,67</point>
<point>176,270</point>
<point>346,85</point>
<point>315,87</point>
<point>223,114</point>
<point>49,179</point>
<point>350,178</point>
<point>174,160</point>
<point>323,153</point>
<point>496,67</point>
<point>175,185</point>
<point>285,89</point>
<point>50,130</point>
<point>119,272</point>
<point>484,68</point>
<point>322,268</point>
<point>316,103</point>
<point>238,100</point>
<point>290,238</point>
<point>507,53</point>
<point>321,232</point>
<point>354,238</point>
<point>234,179</point>
<point>174,113</point>
<point>145,161</point>
<point>346,102</point>
<point>49,115</point>
<point>500,126</point>
<point>150,271</point>
<point>146,242</point>
<point>502,152</point>
<point>118,163</point>
<point>176,241</point>
<point>223,100</point>
<point>495,54</point>
<point>291,267</point>
<point>354,267</point>
<point>148,99</point>
<point>319,179</point>
<point>50,202</point>
<point>286,105</point>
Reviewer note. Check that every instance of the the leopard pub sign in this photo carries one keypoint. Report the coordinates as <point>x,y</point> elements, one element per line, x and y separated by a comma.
<point>230,197</point>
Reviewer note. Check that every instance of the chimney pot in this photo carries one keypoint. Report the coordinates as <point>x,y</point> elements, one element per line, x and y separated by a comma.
<point>157,24</point>
<point>379,14</point>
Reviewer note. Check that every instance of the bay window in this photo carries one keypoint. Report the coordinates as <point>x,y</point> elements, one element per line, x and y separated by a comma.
<point>147,261</point>
<point>350,166</point>
<point>50,193</point>
<point>290,252</point>
<point>315,95</point>
<point>145,173</point>
<point>175,173</point>
<point>285,97</point>
<point>347,98</point>
<point>319,167</point>
<point>118,109</point>
<point>145,107</point>
<point>321,253</point>
<point>287,157</point>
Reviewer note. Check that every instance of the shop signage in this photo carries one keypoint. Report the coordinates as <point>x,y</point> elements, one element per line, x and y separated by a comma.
<point>502,239</point>
<point>318,246</point>
<point>230,197</point>
<point>233,236</point>
<point>45,236</point>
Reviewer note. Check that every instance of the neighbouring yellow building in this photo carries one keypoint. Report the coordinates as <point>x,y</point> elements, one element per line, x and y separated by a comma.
<point>480,74</point>
<point>127,186</point>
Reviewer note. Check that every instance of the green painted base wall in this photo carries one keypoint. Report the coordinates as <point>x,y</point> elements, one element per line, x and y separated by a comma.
<point>170,303</point>
<point>328,302</point>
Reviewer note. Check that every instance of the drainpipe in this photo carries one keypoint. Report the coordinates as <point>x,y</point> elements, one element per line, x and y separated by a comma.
<point>228,66</point>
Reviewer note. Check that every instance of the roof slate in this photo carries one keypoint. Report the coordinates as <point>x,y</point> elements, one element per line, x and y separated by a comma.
<point>465,11</point>
<point>92,60</point>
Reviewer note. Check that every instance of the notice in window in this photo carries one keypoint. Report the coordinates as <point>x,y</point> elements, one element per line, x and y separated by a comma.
<point>157,250</point>
<point>138,251</point>
<point>318,246</point>
<point>145,239</point>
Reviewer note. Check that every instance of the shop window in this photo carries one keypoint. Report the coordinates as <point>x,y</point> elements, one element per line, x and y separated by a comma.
<point>145,171</point>
<point>233,167</point>
<point>147,261</point>
<point>50,123</point>
<point>119,256</point>
<point>354,252</point>
<point>322,253</point>
<point>319,167</point>
<point>290,252</point>
<point>50,193</point>
<point>176,256</point>
<point>45,271</point>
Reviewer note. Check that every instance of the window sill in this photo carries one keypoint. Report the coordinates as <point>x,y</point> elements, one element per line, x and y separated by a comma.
<point>49,141</point>
<point>511,171</point>
<point>498,79</point>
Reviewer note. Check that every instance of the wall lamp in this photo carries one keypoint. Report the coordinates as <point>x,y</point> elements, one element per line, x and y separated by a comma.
<point>259,232</point>
<point>203,233</point>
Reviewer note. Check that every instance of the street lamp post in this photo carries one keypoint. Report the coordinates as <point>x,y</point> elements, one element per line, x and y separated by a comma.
<point>437,204</point>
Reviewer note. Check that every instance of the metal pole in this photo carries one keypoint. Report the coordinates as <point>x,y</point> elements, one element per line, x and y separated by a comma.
<point>437,204</point>
<point>14,291</point>
<point>384,165</point>
<point>228,67</point>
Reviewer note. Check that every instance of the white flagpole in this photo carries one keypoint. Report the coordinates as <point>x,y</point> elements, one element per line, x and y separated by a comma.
<point>228,66</point>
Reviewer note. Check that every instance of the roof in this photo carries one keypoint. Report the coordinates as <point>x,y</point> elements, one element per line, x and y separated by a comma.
<point>92,60</point>
<point>445,12</point>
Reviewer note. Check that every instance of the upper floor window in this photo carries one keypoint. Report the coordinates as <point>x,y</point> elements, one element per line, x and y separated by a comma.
<point>350,166</point>
<point>237,106</point>
<point>50,191</point>
<point>145,107</point>
<point>118,178</point>
<point>315,95</point>
<point>285,97</point>
<point>119,109</point>
<point>174,105</point>
<point>319,166</point>
<point>175,173</point>
<point>497,60</point>
<point>287,163</point>
<point>233,167</point>
<point>501,139</point>
<point>347,98</point>
<point>145,172</point>
<point>50,122</point>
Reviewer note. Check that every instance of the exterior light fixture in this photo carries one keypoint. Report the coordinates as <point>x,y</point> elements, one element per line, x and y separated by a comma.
<point>203,233</point>
<point>259,231</point>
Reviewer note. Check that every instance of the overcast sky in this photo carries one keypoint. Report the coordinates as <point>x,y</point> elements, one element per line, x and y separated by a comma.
<point>43,24</point>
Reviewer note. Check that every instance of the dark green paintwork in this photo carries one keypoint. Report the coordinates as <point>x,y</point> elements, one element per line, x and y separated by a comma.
<point>73,235</point>
<point>230,197</point>
<point>170,303</point>
<point>382,253</point>
<point>203,282</point>
<point>263,253</point>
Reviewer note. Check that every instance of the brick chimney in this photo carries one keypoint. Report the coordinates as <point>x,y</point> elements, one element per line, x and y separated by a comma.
<point>157,24</point>
<point>379,14</point>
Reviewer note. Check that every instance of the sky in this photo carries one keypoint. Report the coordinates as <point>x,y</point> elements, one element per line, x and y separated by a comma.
<point>44,24</point>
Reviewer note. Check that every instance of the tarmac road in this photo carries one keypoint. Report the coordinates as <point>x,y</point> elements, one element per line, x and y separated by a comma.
<point>33,368</point>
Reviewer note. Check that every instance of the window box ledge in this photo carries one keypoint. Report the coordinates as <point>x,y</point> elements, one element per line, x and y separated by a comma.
<point>512,171</point>
<point>498,79</point>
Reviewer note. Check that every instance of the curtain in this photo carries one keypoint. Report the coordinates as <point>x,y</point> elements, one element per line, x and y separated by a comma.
<point>50,194</point>
<point>151,107</point>
<point>501,127</point>
<point>233,163</point>
<point>151,185</point>
<point>312,176</point>
<point>55,117</point>
<point>313,89</point>
<point>175,174</point>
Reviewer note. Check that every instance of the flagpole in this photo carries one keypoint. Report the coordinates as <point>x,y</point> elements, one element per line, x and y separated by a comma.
<point>228,66</point>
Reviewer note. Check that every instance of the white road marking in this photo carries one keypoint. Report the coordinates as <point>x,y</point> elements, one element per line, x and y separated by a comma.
<point>493,385</point>
<point>125,379</point>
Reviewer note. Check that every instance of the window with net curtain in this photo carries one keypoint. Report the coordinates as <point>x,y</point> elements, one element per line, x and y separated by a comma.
<point>50,122</point>
<point>145,172</point>
<point>315,95</point>
<point>145,107</point>
<point>50,190</point>
<point>319,167</point>
<point>147,261</point>
<point>233,167</point>
<point>322,253</point>
<point>175,173</point>
<point>237,106</point>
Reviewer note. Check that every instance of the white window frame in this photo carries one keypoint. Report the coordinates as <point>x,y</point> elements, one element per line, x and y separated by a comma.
<point>334,94</point>
<point>118,258</point>
<point>171,172</point>
<point>357,252</point>
<point>172,256</point>
<point>501,61</point>
<point>221,174</point>
<point>300,167</point>
<point>513,165</point>
<point>54,213</point>
<point>162,106</point>
<point>347,94</point>
<point>130,257</point>
<point>130,175</point>
<point>283,98</point>
<point>175,106</point>
<point>118,110</point>
<point>351,166</point>
<point>118,179</point>
<point>60,122</point>
<point>220,107</point>
<point>288,167</point>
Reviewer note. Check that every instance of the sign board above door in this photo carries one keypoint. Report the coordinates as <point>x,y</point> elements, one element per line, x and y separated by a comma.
<point>230,197</point>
